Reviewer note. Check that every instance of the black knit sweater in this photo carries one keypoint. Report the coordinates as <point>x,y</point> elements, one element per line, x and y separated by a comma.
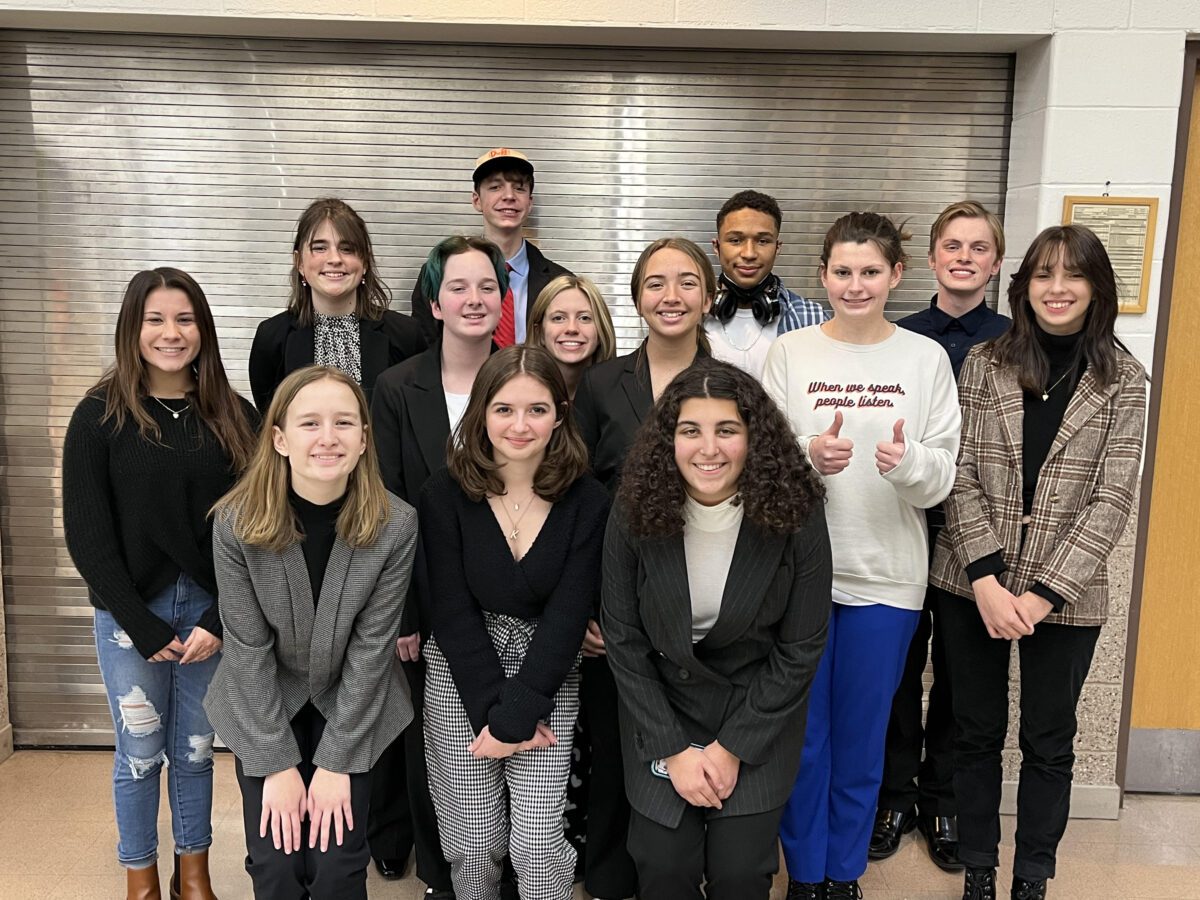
<point>470,568</point>
<point>135,512</point>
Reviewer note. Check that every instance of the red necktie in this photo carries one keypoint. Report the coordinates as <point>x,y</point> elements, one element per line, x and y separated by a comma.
<point>505,334</point>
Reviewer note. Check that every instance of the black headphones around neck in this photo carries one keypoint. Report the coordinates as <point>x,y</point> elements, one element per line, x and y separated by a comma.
<point>763,299</point>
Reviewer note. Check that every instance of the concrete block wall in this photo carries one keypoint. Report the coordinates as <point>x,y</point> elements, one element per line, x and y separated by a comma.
<point>1097,85</point>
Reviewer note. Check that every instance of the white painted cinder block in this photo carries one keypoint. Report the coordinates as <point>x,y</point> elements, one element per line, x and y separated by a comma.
<point>882,15</point>
<point>1095,145</point>
<point>1015,16</point>
<point>1027,149</point>
<point>752,13</point>
<point>462,10</point>
<point>1182,14</point>
<point>1117,68</point>
<point>1091,13</point>
<point>618,12</point>
<point>1031,81</point>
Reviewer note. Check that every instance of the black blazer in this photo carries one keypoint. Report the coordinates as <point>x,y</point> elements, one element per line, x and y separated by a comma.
<point>541,272</point>
<point>611,401</point>
<point>281,346</point>
<point>412,430</point>
<point>745,684</point>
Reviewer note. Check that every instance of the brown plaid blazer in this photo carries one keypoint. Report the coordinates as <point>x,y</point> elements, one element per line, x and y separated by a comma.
<point>1084,492</point>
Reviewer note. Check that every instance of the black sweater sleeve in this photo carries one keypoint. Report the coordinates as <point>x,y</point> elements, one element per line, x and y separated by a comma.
<point>91,528</point>
<point>529,696</point>
<point>456,618</point>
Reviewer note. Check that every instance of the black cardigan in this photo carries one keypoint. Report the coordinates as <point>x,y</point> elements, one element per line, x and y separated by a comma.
<point>469,568</point>
<point>135,512</point>
<point>281,346</point>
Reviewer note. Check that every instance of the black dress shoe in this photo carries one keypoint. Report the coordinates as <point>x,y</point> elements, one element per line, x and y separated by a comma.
<point>941,834</point>
<point>1028,890</point>
<point>391,868</point>
<point>980,884</point>
<point>805,890</point>
<point>432,894</point>
<point>890,826</point>
<point>508,889</point>
<point>842,890</point>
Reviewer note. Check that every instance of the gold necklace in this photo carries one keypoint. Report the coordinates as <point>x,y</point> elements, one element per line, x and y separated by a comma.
<point>515,523</point>
<point>1046,392</point>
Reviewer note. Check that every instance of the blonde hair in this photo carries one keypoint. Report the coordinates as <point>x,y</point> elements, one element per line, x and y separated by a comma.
<point>967,209</point>
<point>606,337</point>
<point>258,503</point>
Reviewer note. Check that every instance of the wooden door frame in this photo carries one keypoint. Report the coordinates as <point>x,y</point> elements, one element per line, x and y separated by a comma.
<point>1191,73</point>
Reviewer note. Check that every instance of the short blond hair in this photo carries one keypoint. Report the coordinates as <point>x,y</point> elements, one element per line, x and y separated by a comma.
<point>967,209</point>
<point>606,336</point>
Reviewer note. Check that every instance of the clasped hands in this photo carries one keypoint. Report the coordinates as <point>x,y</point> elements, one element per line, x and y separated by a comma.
<point>1006,615</point>
<point>286,802</point>
<point>487,747</point>
<point>704,777</point>
<point>830,453</point>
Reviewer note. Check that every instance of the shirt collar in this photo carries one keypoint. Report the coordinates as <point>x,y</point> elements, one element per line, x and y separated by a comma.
<point>970,321</point>
<point>520,260</point>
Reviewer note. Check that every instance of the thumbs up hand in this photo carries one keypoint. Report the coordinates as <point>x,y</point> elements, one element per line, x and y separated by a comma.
<point>828,452</point>
<point>889,453</point>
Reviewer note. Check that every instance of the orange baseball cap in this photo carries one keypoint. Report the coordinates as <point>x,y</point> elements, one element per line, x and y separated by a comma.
<point>501,156</point>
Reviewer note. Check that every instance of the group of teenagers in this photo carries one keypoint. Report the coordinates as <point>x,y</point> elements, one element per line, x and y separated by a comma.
<point>476,571</point>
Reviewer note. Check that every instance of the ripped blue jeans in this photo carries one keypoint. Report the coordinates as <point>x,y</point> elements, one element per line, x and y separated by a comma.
<point>159,721</point>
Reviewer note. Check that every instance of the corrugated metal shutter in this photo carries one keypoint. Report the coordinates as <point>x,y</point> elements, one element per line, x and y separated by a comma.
<point>118,153</point>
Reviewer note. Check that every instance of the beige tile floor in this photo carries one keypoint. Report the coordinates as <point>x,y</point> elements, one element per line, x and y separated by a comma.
<point>58,839</point>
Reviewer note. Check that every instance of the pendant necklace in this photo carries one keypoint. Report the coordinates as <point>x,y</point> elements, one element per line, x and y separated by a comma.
<point>515,524</point>
<point>174,414</point>
<point>1046,392</point>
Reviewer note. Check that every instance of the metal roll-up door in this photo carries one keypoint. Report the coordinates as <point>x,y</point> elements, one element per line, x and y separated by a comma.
<point>122,152</point>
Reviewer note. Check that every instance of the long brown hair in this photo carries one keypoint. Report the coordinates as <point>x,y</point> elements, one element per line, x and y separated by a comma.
<point>698,256</point>
<point>778,487</point>
<point>258,503</point>
<point>1079,249</point>
<point>372,294</point>
<point>126,382</point>
<point>469,456</point>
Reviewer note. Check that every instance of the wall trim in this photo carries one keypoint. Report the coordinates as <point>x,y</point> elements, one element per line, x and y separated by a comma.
<point>1088,801</point>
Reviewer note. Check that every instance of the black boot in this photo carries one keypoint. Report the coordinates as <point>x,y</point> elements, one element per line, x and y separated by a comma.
<point>1028,890</point>
<point>805,890</point>
<point>842,890</point>
<point>980,884</point>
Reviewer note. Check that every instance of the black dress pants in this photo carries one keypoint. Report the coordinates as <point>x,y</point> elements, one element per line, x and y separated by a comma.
<point>1054,662</point>
<point>339,873</point>
<point>608,868</point>
<point>734,857</point>
<point>402,814</point>
<point>910,779</point>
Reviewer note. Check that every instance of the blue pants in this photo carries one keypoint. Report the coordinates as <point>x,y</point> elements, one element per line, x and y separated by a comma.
<point>159,720</point>
<point>827,822</point>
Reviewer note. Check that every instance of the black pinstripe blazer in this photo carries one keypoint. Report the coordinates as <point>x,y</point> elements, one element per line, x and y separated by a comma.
<point>746,684</point>
<point>282,651</point>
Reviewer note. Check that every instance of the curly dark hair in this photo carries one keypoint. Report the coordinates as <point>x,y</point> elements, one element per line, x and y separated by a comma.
<point>778,487</point>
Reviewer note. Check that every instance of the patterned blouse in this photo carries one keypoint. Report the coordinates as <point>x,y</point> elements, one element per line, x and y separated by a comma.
<point>337,344</point>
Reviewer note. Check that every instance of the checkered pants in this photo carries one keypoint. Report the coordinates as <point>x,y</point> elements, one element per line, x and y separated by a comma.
<point>473,797</point>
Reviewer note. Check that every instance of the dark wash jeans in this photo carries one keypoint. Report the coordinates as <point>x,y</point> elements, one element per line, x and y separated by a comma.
<point>1054,661</point>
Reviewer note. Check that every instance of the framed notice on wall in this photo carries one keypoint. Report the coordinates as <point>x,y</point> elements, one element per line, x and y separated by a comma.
<point>1125,225</point>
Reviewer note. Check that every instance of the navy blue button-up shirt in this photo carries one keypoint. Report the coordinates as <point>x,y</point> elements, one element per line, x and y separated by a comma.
<point>957,335</point>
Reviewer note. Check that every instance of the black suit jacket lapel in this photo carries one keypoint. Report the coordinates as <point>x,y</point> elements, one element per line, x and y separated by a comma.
<point>298,347</point>
<point>636,385</point>
<point>373,343</point>
<point>539,275</point>
<point>755,563</point>
<point>427,409</point>
<point>669,602</point>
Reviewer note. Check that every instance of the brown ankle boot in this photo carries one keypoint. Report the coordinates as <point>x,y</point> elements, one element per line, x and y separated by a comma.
<point>190,881</point>
<point>142,884</point>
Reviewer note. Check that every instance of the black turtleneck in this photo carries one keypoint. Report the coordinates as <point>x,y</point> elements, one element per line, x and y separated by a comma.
<point>1044,417</point>
<point>319,524</point>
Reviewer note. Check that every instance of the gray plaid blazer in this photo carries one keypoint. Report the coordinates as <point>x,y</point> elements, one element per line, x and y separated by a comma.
<point>280,652</point>
<point>746,684</point>
<point>1084,492</point>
